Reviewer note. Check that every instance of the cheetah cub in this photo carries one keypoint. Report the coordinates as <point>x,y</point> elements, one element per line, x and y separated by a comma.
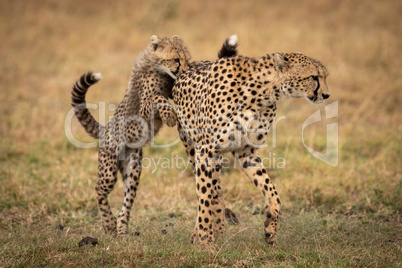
<point>140,115</point>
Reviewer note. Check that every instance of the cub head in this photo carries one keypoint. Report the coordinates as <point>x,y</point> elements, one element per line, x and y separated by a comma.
<point>169,55</point>
<point>302,77</point>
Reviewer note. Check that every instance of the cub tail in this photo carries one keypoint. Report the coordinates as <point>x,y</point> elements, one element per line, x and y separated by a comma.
<point>80,88</point>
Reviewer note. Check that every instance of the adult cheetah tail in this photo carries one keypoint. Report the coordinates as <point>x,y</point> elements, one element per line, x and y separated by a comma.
<point>229,48</point>
<point>80,88</point>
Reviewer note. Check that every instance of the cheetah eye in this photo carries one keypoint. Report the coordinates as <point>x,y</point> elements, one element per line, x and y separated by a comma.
<point>315,77</point>
<point>177,60</point>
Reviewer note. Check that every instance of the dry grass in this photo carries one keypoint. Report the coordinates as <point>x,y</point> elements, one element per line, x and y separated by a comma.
<point>349,215</point>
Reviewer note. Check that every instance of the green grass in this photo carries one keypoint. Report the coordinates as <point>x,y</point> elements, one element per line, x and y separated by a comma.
<point>307,239</point>
<point>343,216</point>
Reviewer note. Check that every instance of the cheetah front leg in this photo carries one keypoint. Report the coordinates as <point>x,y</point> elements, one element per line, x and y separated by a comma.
<point>208,200</point>
<point>107,177</point>
<point>190,150</point>
<point>218,202</point>
<point>251,164</point>
<point>162,106</point>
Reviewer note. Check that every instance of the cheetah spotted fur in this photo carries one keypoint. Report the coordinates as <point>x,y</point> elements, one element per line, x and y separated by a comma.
<point>228,106</point>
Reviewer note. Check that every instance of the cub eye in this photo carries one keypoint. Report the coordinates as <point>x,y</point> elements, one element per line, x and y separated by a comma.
<point>177,60</point>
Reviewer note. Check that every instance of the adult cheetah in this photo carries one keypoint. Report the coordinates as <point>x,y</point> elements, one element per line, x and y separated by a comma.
<point>140,115</point>
<point>228,106</point>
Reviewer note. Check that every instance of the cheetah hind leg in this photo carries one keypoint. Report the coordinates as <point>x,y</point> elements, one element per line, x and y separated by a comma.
<point>130,169</point>
<point>107,177</point>
<point>218,203</point>
<point>191,155</point>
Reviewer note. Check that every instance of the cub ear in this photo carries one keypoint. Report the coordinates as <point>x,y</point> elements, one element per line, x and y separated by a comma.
<point>154,42</point>
<point>281,63</point>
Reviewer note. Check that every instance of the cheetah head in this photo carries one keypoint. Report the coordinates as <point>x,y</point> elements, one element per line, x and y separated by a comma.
<point>169,55</point>
<point>302,77</point>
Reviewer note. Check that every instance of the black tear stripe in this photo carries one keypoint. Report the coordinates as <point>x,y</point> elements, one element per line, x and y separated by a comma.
<point>318,86</point>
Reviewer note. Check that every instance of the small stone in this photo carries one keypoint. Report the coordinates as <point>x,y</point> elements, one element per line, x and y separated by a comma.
<point>88,240</point>
<point>169,225</point>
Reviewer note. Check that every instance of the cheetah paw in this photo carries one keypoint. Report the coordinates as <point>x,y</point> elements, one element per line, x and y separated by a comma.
<point>231,216</point>
<point>270,238</point>
<point>169,119</point>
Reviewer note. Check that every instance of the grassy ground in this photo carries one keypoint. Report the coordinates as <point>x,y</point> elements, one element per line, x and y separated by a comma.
<point>348,215</point>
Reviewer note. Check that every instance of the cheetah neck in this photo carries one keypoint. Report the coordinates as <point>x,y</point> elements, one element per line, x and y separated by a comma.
<point>272,80</point>
<point>142,75</point>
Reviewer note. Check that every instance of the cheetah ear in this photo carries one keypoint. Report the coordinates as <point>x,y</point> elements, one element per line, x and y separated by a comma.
<point>281,63</point>
<point>176,37</point>
<point>154,42</point>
